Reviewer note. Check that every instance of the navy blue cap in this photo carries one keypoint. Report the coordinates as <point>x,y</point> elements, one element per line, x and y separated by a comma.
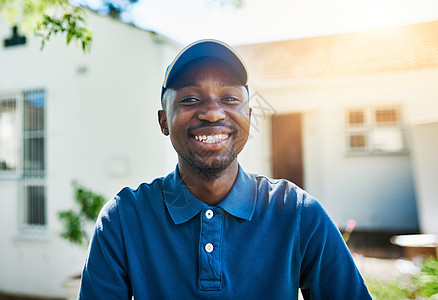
<point>206,48</point>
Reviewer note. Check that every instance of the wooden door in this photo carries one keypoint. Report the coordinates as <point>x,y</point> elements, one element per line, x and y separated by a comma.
<point>287,150</point>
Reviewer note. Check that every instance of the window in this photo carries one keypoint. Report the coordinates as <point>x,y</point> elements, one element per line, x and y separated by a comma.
<point>8,135</point>
<point>22,152</point>
<point>376,130</point>
<point>33,134</point>
<point>35,206</point>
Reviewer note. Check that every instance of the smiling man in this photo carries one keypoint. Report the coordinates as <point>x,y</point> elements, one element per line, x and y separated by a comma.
<point>209,230</point>
<point>206,114</point>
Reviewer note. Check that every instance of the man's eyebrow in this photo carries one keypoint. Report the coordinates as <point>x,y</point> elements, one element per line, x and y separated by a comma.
<point>231,84</point>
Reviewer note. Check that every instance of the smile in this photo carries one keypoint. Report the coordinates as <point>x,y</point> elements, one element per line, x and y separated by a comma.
<point>211,139</point>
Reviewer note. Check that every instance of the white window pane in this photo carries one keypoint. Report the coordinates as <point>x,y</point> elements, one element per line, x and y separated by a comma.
<point>8,135</point>
<point>387,139</point>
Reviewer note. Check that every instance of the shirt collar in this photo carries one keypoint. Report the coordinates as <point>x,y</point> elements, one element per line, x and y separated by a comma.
<point>183,205</point>
<point>241,200</point>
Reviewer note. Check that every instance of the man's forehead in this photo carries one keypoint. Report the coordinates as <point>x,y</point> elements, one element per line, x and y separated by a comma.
<point>221,83</point>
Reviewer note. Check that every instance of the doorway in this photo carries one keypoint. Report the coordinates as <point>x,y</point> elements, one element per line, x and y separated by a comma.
<point>287,147</point>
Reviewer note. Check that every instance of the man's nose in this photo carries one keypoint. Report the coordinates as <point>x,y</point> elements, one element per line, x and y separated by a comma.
<point>211,110</point>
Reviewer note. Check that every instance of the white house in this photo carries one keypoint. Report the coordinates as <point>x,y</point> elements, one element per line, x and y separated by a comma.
<point>349,114</point>
<point>67,116</point>
<point>353,118</point>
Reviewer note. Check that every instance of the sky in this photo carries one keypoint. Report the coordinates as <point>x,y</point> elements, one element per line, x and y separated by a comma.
<point>268,20</point>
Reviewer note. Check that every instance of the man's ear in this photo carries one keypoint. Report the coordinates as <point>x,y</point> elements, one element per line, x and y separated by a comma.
<point>162,120</point>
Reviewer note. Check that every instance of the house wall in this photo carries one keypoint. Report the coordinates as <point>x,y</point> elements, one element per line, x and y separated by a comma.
<point>425,158</point>
<point>256,155</point>
<point>376,190</point>
<point>102,131</point>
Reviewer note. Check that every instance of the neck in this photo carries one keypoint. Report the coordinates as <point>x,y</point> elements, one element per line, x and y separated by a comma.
<point>209,190</point>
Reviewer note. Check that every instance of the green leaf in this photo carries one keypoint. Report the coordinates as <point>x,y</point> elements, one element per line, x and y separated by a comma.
<point>48,18</point>
<point>427,279</point>
<point>69,36</point>
<point>72,227</point>
<point>76,220</point>
<point>90,203</point>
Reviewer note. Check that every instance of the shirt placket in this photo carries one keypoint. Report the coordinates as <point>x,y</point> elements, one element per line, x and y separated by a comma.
<point>210,264</point>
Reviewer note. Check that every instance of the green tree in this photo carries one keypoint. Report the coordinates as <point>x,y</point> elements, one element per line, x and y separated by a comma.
<point>47,18</point>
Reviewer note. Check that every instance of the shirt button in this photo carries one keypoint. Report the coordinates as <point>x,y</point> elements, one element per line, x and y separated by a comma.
<point>209,214</point>
<point>209,247</point>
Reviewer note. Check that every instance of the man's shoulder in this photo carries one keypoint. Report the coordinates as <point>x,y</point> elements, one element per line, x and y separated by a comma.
<point>144,187</point>
<point>129,197</point>
<point>280,190</point>
<point>277,185</point>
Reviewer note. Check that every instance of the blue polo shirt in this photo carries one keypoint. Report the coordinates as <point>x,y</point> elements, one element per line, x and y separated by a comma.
<point>266,239</point>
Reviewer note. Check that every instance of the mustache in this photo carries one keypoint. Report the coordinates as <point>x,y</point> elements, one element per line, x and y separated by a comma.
<point>215,124</point>
<point>218,124</point>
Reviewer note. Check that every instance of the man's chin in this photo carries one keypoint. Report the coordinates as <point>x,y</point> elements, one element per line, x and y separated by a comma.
<point>211,169</point>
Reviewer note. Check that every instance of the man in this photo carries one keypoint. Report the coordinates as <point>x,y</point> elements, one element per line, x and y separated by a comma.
<point>210,230</point>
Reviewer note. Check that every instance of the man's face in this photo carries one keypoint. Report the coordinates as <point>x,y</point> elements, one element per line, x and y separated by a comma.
<point>207,117</point>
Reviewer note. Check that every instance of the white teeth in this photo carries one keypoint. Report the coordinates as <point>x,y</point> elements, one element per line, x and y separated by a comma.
<point>210,139</point>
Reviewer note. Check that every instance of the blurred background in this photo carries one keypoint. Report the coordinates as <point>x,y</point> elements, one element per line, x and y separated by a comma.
<point>345,104</point>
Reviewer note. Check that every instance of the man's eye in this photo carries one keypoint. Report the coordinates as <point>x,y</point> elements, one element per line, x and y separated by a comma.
<point>231,100</point>
<point>189,100</point>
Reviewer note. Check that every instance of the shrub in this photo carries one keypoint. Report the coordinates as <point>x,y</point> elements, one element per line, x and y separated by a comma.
<point>77,220</point>
<point>422,285</point>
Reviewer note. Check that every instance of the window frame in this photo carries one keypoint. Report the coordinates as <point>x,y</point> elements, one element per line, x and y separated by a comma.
<point>26,228</point>
<point>370,127</point>
<point>25,178</point>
